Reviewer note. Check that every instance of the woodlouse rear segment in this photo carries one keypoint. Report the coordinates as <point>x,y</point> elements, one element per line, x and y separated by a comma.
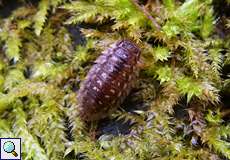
<point>109,81</point>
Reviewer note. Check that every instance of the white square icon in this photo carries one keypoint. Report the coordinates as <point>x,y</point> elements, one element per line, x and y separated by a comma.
<point>10,149</point>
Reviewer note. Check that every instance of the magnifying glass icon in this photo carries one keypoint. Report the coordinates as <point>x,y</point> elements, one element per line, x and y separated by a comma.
<point>9,147</point>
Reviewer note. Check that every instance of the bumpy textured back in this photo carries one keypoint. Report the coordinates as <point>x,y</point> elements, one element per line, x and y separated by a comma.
<point>109,81</point>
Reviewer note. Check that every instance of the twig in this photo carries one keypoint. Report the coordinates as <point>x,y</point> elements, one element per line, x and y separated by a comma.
<point>225,112</point>
<point>147,14</point>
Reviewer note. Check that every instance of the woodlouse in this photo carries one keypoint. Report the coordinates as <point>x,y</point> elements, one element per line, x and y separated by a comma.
<point>109,81</point>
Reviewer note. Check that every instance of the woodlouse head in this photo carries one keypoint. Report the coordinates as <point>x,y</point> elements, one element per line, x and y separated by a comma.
<point>130,46</point>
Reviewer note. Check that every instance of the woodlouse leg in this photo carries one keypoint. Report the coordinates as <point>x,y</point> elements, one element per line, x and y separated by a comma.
<point>141,64</point>
<point>93,132</point>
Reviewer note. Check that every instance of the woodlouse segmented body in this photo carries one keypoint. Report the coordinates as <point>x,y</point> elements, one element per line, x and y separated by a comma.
<point>109,81</point>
